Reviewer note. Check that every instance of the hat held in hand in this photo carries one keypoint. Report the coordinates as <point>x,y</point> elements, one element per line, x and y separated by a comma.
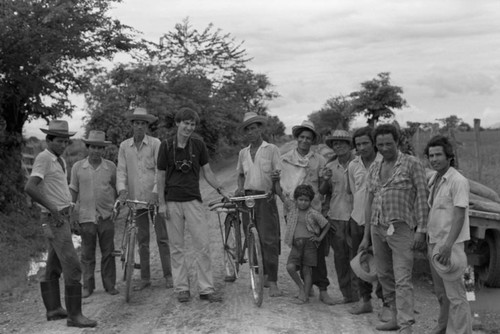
<point>58,128</point>
<point>456,268</point>
<point>363,265</point>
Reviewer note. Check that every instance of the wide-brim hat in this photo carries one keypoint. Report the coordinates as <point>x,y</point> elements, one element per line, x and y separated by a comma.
<point>363,265</point>
<point>455,269</point>
<point>250,118</point>
<point>306,125</point>
<point>96,138</point>
<point>338,134</point>
<point>58,128</point>
<point>141,114</point>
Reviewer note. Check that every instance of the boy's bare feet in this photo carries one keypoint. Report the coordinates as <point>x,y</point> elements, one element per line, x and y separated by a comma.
<point>273,290</point>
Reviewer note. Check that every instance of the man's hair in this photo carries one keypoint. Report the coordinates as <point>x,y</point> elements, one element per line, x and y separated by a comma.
<point>387,129</point>
<point>445,143</point>
<point>366,131</point>
<point>49,137</point>
<point>304,190</point>
<point>187,114</point>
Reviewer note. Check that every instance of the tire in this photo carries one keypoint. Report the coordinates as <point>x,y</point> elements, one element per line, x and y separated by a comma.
<point>232,242</point>
<point>129,263</point>
<point>490,272</point>
<point>256,266</point>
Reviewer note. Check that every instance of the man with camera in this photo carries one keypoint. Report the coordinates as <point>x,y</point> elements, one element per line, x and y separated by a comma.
<point>136,180</point>
<point>180,160</point>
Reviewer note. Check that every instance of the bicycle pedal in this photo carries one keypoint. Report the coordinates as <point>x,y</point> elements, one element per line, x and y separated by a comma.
<point>137,266</point>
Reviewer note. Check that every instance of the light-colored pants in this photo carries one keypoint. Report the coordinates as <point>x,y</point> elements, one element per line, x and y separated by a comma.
<point>190,215</point>
<point>394,260</point>
<point>454,310</point>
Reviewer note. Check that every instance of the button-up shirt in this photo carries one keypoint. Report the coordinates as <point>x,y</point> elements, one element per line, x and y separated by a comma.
<point>341,201</point>
<point>297,169</point>
<point>95,188</point>
<point>451,191</point>
<point>403,197</point>
<point>258,172</point>
<point>315,222</point>
<point>136,170</point>
<point>54,184</point>
<point>358,175</point>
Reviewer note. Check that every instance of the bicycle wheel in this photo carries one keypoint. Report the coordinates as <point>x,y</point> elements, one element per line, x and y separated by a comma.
<point>129,266</point>
<point>256,265</point>
<point>232,244</point>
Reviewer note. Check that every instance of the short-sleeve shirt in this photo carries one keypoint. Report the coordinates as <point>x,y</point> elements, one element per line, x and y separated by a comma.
<point>180,186</point>
<point>341,200</point>
<point>452,191</point>
<point>315,222</point>
<point>54,184</point>
<point>258,172</point>
<point>95,188</point>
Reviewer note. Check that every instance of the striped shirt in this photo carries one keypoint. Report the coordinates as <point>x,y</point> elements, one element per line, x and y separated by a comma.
<point>403,197</point>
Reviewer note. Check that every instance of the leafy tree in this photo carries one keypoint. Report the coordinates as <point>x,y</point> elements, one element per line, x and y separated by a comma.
<point>449,123</point>
<point>378,98</point>
<point>336,112</point>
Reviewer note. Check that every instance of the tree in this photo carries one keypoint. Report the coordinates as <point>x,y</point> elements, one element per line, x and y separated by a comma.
<point>377,99</point>
<point>336,112</point>
<point>44,49</point>
<point>450,123</point>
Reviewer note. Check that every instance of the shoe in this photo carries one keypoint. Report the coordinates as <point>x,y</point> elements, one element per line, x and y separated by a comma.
<point>390,325</point>
<point>51,296</point>
<point>183,296</point>
<point>113,291</point>
<point>87,292</point>
<point>137,266</point>
<point>169,282</point>
<point>73,298</point>
<point>231,278</point>
<point>325,298</point>
<point>385,313</point>
<point>364,307</point>
<point>142,286</point>
<point>211,297</point>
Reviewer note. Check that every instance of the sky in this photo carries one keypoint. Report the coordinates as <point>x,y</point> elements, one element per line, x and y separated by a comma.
<point>444,54</point>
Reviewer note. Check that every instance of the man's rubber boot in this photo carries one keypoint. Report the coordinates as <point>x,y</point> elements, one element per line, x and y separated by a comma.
<point>390,325</point>
<point>51,296</point>
<point>73,300</point>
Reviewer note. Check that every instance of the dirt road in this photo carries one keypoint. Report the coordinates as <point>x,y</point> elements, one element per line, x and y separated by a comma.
<point>156,310</point>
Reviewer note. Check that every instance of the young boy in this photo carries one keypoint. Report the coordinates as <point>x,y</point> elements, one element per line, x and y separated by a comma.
<point>306,228</point>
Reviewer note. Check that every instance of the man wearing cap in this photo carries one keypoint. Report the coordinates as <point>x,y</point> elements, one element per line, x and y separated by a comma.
<point>304,166</point>
<point>136,180</point>
<point>335,184</point>
<point>48,186</point>
<point>93,182</point>
<point>397,210</point>
<point>447,231</point>
<point>258,163</point>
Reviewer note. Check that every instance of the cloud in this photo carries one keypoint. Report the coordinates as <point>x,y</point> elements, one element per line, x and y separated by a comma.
<point>443,82</point>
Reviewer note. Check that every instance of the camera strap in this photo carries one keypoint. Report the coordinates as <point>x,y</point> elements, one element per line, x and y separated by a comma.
<point>190,148</point>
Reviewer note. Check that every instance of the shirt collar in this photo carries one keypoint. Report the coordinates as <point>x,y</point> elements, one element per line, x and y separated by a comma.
<point>145,140</point>
<point>52,155</point>
<point>263,144</point>
<point>86,164</point>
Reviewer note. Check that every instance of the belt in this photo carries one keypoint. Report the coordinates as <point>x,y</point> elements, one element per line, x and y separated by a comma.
<point>62,212</point>
<point>254,192</point>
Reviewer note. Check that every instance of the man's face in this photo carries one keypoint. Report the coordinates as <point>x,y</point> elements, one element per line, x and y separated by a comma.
<point>139,128</point>
<point>437,158</point>
<point>253,132</point>
<point>341,147</point>
<point>58,145</point>
<point>95,151</point>
<point>186,128</point>
<point>305,140</point>
<point>364,146</point>
<point>387,146</point>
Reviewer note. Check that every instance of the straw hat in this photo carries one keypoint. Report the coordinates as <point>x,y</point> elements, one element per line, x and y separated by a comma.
<point>456,268</point>
<point>338,134</point>
<point>250,118</point>
<point>141,114</point>
<point>306,125</point>
<point>58,128</point>
<point>96,138</point>
<point>363,265</point>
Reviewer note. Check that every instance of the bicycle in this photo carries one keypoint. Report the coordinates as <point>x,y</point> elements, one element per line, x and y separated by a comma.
<point>129,239</point>
<point>235,253</point>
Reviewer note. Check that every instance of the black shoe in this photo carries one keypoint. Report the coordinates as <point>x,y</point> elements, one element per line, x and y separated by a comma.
<point>113,291</point>
<point>73,297</point>
<point>51,296</point>
<point>183,296</point>
<point>211,297</point>
<point>230,278</point>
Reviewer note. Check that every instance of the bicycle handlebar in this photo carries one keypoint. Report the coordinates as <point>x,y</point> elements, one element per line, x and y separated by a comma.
<point>250,197</point>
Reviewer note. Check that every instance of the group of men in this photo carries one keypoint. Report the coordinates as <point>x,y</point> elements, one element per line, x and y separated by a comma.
<point>378,198</point>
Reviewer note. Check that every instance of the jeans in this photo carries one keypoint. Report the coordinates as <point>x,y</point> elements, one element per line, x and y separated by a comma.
<point>104,230</point>
<point>394,260</point>
<point>142,221</point>
<point>346,277</point>
<point>320,272</point>
<point>355,236</point>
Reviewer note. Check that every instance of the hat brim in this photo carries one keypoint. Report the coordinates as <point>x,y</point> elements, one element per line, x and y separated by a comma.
<point>451,272</point>
<point>58,133</point>
<point>258,119</point>
<point>296,130</point>
<point>96,143</point>
<point>329,140</point>
<point>146,118</point>
<point>360,272</point>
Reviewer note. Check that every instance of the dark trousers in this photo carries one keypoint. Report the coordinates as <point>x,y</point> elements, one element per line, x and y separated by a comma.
<point>104,231</point>
<point>346,277</point>
<point>320,272</point>
<point>268,226</point>
<point>355,236</point>
<point>62,257</point>
<point>142,222</point>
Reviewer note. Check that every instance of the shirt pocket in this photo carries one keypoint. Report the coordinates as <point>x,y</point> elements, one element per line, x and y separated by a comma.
<point>443,203</point>
<point>401,181</point>
<point>150,164</point>
<point>266,167</point>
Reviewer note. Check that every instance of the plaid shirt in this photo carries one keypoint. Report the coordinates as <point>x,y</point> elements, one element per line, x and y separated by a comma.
<point>403,197</point>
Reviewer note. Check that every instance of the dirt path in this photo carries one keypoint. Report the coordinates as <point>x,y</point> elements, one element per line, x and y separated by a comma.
<point>156,310</point>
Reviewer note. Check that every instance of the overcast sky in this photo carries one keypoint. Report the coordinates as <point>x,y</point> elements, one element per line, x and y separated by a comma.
<point>444,54</point>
